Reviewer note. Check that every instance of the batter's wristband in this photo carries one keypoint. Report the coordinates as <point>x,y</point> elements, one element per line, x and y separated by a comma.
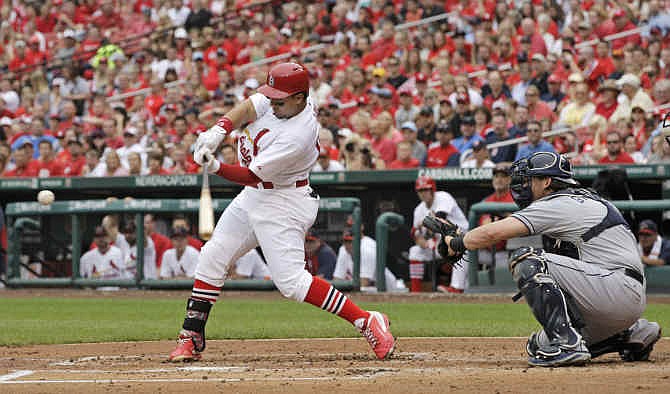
<point>457,245</point>
<point>226,124</point>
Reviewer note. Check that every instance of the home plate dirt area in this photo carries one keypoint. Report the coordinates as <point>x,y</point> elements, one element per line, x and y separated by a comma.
<point>421,365</point>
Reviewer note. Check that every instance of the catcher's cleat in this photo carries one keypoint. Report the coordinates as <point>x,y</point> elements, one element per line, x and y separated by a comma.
<point>643,337</point>
<point>186,349</point>
<point>559,355</point>
<point>376,331</point>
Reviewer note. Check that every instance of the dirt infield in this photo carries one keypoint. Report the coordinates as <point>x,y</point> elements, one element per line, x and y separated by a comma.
<point>419,365</point>
<point>425,365</point>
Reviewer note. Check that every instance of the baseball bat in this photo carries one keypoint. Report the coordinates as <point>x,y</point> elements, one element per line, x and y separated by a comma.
<point>206,209</point>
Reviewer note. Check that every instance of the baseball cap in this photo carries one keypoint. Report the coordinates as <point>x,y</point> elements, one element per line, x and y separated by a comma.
<point>409,126</point>
<point>539,57</point>
<point>553,78</point>
<point>379,72</point>
<point>311,235</point>
<point>129,227</point>
<point>420,77</point>
<point>384,93</point>
<point>251,83</point>
<point>501,169</point>
<point>285,31</point>
<point>198,55</point>
<point>498,104</point>
<point>99,231</point>
<point>323,152</point>
<point>468,119</point>
<point>20,44</point>
<point>69,33</point>
<point>629,79</point>
<point>179,232</point>
<point>463,98</point>
<point>619,13</point>
<point>575,77</point>
<point>648,226</point>
<point>347,235</point>
<point>478,145</point>
<point>344,132</point>
<point>5,121</point>
<point>130,131</point>
<point>426,110</point>
<point>180,33</point>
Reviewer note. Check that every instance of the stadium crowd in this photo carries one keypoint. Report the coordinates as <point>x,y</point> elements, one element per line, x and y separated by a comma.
<point>110,88</point>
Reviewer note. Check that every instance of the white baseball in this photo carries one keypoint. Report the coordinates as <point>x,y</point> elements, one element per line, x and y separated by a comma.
<point>46,197</point>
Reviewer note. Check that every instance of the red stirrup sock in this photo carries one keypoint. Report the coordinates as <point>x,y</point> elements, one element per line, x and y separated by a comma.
<point>205,292</point>
<point>323,295</point>
<point>415,275</point>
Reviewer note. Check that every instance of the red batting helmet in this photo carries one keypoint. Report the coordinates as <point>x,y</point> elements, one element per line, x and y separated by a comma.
<point>425,182</point>
<point>285,79</point>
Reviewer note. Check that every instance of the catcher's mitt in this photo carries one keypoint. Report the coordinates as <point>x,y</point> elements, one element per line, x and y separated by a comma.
<point>446,228</point>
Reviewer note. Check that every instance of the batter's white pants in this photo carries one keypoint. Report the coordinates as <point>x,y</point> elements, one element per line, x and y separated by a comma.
<point>275,219</point>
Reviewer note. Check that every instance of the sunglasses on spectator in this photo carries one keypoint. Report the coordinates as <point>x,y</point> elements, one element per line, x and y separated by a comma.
<point>534,130</point>
<point>614,141</point>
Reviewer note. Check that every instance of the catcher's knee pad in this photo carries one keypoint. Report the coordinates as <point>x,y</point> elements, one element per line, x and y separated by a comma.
<point>294,285</point>
<point>528,264</point>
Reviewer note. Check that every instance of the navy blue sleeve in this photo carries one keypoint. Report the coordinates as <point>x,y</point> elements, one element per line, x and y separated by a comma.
<point>327,261</point>
<point>454,160</point>
<point>665,252</point>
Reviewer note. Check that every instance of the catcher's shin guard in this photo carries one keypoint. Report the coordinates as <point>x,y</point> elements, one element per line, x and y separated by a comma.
<point>197,312</point>
<point>548,303</point>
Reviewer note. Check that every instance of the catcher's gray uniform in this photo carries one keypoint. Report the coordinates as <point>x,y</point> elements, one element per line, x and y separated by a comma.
<point>605,278</point>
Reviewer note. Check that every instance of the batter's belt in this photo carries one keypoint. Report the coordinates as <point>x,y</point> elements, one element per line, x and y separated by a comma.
<point>270,185</point>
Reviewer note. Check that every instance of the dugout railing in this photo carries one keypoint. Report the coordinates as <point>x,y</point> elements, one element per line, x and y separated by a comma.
<point>500,279</point>
<point>25,216</point>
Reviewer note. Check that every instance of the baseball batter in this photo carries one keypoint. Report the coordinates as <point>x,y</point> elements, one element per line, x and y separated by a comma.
<point>277,149</point>
<point>589,298</point>
<point>424,251</point>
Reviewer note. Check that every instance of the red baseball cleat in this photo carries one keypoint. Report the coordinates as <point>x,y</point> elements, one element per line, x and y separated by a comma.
<point>378,334</point>
<point>185,350</point>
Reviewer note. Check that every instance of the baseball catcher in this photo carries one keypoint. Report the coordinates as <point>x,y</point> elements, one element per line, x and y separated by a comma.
<point>587,306</point>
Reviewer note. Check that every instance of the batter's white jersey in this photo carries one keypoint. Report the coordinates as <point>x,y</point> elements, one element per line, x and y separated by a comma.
<point>251,265</point>
<point>173,266</point>
<point>281,151</point>
<point>96,265</point>
<point>149,259</point>
<point>444,202</point>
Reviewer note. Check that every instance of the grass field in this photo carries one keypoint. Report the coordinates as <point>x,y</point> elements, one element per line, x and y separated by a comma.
<point>43,320</point>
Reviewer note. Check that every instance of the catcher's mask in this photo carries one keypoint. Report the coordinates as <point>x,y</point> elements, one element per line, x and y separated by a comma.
<point>540,164</point>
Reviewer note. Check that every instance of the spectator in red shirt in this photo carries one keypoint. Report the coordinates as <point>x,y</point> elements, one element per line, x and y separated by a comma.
<point>75,165</point>
<point>609,90</point>
<point>155,166</point>
<point>538,109</point>
<point>404,159</point>
<point>442,153</point>
<point>106,18</point>
<point>615,152</point>
<point>537,44</point>
<point>623,23</point>
<point>381,142</point>
<point>25,166</point>
<point>155,100</point>
<point>48,165</point>
<point>23,57</point>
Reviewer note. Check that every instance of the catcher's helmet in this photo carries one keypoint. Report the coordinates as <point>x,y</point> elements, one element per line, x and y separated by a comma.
<point>425,182</point>
<point>285,79</point>
<point>539,164</point>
